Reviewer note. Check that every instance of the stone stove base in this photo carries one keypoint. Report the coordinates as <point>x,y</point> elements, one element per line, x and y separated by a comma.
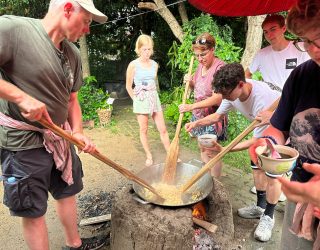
<point>137,226</point>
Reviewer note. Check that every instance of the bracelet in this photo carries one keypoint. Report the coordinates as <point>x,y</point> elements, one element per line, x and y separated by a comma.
<point>270,137</point>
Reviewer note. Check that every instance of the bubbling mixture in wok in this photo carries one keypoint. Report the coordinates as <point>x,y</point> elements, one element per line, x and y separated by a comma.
<point>172,194</point>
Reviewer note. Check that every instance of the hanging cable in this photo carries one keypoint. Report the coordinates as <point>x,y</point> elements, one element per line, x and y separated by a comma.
<point>139,14</point>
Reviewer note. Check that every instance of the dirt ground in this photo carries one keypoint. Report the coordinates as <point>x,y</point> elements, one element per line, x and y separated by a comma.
<point>123,147</point>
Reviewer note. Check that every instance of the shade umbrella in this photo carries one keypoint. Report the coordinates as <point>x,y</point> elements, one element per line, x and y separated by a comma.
<point>242,7</point>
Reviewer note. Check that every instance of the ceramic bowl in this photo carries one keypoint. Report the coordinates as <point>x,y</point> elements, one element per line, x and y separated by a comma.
<point>207,139</point>
<point>277,166</point>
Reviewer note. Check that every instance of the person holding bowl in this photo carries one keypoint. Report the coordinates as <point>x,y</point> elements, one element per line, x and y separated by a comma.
<point>297,118</point>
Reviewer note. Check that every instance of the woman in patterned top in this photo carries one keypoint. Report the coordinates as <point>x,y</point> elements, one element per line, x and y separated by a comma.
<point>206,101</point>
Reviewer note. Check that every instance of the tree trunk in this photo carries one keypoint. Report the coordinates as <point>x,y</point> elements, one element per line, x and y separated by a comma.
<point>183,12</point>
<point>84,57</point>
<point>253,40</point>
<point>160,7</point>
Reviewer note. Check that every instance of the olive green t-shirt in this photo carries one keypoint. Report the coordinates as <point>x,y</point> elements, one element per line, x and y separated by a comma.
<point>29,60</point>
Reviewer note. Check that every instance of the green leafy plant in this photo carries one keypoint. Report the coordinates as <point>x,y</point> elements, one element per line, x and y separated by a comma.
<point>171,101</point>
<point>257,76</point>
<point>92,98</point>
<point>236,124</point>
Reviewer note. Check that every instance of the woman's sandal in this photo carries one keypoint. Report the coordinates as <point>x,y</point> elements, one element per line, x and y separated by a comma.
<point>149,162</point>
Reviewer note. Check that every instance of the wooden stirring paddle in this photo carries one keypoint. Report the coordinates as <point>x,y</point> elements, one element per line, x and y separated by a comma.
<point>214,160</point>
<point>59,131</point>
<point>173,152</point>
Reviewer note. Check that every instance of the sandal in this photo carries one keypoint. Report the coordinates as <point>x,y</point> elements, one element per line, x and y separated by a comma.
<point>149,162</point>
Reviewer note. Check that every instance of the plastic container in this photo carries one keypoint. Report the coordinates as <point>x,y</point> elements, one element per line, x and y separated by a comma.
<point>207,139</point>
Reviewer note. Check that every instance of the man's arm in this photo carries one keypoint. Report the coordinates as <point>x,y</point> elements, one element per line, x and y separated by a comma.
<point>75,120</point>
<point>208,120</point>
<point>75,114</point>
<point>244,144</point>
<point>239,147</point>
<point>214,100</point>
<point>31,108</point>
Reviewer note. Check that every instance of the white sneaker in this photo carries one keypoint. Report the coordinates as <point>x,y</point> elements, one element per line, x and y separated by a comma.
<point>253,190</point>
<point>263,231</point>
<point>281,198</point>
<point>251,212</point>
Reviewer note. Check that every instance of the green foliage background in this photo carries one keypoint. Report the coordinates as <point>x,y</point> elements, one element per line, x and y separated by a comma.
<point>92,98</point>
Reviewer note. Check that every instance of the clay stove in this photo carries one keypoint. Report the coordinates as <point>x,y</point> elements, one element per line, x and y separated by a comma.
<point>135,226</point>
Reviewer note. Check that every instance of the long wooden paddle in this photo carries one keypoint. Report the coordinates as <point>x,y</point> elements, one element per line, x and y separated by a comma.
<point>225,150</point>
<point>173,152</point>
<point>59,131</point>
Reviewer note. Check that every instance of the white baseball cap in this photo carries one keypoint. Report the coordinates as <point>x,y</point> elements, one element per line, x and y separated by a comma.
<point>88,5</point>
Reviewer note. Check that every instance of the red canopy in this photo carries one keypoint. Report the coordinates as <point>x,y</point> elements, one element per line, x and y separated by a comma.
<point>242,7</point>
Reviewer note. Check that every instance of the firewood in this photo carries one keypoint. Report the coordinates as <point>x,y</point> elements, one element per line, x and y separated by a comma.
<point>95,220</point>
<point>205,224</point>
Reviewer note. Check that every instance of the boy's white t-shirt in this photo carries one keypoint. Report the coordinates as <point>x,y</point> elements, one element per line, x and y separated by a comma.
<point>260,98</point>
<point>276,66</point>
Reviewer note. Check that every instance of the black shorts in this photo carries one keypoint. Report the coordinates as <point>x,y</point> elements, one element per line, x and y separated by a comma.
<point>36,175</point>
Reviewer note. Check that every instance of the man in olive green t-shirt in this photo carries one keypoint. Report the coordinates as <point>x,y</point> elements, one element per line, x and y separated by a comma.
<point>40,74</point>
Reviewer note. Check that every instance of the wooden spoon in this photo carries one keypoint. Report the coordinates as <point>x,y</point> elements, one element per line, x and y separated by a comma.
<point>59,131</point>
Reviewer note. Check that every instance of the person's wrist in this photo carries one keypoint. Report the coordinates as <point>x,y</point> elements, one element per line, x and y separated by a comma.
<point>270,137</point>
<point>75,132</point>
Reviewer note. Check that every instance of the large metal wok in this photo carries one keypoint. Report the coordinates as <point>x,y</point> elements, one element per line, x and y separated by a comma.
<point>184,172</point>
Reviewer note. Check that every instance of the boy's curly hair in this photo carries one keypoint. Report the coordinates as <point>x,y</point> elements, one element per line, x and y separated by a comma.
<point>228,77</point>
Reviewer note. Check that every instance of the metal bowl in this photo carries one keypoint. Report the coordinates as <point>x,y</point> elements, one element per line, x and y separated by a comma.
<point>184,172</point>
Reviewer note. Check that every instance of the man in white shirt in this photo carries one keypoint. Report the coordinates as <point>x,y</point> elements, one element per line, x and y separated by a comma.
<point>276,61</point>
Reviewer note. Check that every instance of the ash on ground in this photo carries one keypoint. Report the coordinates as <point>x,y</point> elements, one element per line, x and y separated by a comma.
<point>96,204</point>
<point>204,241</point>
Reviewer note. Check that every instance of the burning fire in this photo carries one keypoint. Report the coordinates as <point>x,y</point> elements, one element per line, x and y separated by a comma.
<point>199,211</point>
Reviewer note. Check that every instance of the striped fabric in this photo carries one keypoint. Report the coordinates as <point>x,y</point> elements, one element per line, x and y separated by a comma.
<point>55,145</point>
